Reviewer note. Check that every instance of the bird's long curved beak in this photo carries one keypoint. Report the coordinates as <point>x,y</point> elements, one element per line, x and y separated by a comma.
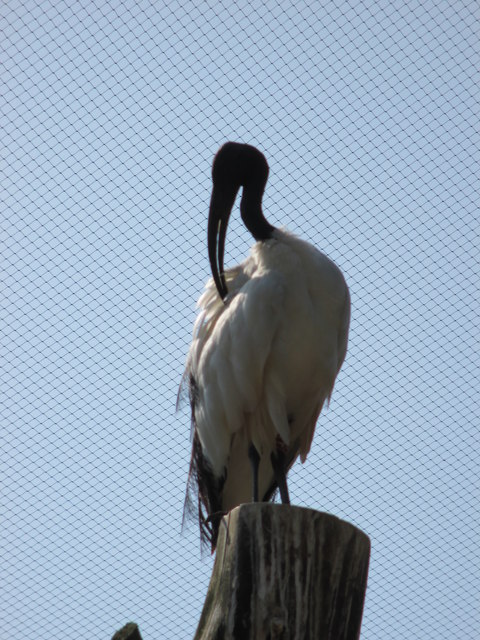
<point>221,205</point>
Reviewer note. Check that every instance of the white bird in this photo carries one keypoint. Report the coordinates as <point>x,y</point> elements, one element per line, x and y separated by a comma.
<point>267,345</point>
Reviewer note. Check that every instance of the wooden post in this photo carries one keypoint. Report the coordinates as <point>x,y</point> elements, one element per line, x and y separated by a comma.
<point>285,573</point>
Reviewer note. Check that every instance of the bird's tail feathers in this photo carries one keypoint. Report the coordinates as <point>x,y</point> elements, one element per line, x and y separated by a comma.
<point>202,499</point>
<point>204,489</point>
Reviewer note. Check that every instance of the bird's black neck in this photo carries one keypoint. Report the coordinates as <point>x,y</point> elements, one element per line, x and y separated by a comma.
<point>252,214</point>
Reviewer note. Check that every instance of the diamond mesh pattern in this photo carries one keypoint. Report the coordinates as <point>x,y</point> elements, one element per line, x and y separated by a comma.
<point>110,115</point>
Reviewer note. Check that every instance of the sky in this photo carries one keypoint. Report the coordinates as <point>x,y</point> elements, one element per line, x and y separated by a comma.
<point>111,114</point>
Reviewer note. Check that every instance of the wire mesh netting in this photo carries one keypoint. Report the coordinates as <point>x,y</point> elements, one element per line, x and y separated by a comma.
<point>111,114</point>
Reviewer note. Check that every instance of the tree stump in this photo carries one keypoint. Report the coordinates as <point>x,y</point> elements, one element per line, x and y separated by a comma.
<point>288,573</point>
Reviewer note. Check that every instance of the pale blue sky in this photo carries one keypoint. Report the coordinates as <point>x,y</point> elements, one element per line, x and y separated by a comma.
<point>110,116</point>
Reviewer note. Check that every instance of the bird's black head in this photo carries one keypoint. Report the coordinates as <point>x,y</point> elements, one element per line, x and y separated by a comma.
<point>235,165</point>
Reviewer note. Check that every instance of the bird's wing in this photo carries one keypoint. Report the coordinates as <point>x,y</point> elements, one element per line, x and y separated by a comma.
<point>227,360</point>
<point>342,329</point>
<point>224,372</point>
<point>211,308</point>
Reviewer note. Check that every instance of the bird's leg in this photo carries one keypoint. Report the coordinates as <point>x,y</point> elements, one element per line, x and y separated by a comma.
<point>215,517</point>
<point>254,457</point>
<point>279,465</point>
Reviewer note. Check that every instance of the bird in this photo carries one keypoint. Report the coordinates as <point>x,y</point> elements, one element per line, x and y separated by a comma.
<point>268,342</point>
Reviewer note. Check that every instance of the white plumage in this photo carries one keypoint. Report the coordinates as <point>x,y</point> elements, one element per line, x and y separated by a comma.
<point>264,360</point>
